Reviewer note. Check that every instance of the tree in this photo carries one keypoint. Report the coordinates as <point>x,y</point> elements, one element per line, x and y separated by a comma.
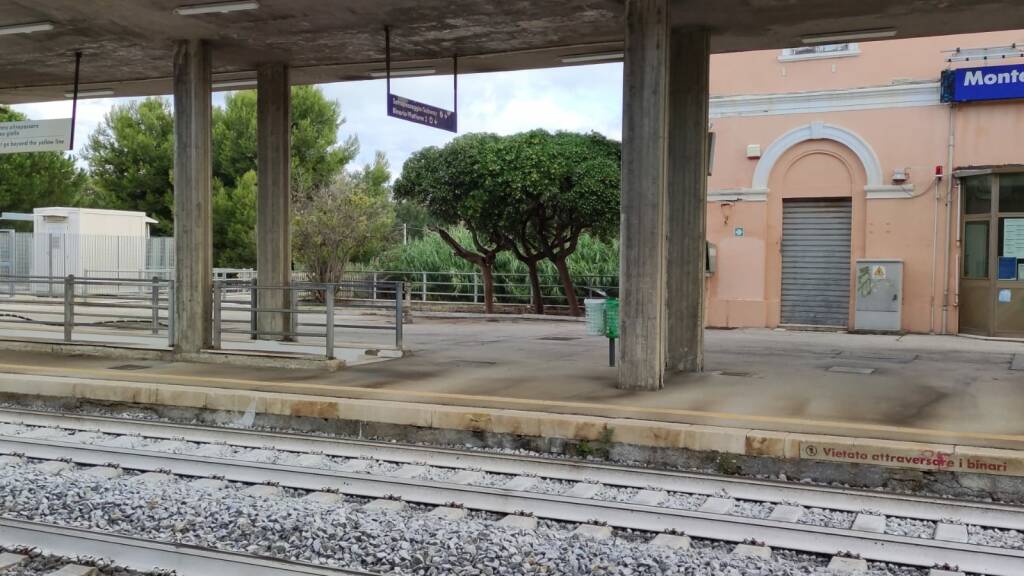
<point>131,160</point>
<point>316,156</point>
<point>533,193</point>
<point>456,184</point>
<point>580,195</point>
<point>234,223</point>
<point>36,179</point>
<point>334,223</point>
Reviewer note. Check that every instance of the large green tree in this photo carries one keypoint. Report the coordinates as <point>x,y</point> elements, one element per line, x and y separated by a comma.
<point>534,193</point>
<point>131,160</point>
<point>457,184</point>
<point>317,156</point>
<point>36,179</point>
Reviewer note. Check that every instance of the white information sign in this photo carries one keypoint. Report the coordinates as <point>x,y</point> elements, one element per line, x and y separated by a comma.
<point>1013,237</point>
<point>35,136</point>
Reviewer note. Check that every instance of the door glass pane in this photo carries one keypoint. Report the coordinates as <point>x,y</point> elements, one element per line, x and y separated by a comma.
<point>978,194</point>
<point>1011,248</point>
<point>976,250</point>
<point>1011,193</point>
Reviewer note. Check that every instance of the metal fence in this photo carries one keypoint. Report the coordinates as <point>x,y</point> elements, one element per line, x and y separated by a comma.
<point>468,288</point>
<point>140,305</point>
<point>310,311</point>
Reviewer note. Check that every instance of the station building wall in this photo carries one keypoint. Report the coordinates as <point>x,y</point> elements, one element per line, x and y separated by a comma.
<point>839,127</point>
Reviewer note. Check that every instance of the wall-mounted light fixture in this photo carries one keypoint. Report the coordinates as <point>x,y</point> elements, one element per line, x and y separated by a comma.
<point>98,93</point>
<point>26,28</point>
<point>216,8</point>
<point>242,83</point>
<point>403,72</point>
<point>850,36</point>
<point>599,57</point>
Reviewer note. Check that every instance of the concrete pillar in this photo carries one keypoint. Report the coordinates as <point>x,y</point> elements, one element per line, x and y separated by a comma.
<point>273,213</point>
<point>644,166</point>
<point>193,173</point>
<point>689,63</point>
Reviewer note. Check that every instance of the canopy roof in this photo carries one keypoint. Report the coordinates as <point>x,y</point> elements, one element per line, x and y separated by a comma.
<point>128,44</point>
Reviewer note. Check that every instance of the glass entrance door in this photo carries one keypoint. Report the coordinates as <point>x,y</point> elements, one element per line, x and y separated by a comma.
<point>992,271</point>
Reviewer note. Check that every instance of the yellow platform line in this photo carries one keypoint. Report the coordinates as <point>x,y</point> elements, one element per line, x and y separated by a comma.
<point>568,405</point>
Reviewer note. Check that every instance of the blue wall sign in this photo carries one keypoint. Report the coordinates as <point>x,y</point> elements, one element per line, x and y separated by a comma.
<point>985,83</point>
<point>420,113</point>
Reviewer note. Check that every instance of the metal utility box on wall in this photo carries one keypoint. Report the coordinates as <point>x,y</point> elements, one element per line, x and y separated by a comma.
<point>879,300</point>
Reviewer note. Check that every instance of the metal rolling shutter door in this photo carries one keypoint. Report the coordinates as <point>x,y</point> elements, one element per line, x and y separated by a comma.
<point>816,262</point>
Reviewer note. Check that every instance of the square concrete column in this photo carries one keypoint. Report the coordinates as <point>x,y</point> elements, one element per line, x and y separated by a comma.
<point>689,64</point>
<point>193,174</point>
<point>644,166</point>
<point>273,209</point>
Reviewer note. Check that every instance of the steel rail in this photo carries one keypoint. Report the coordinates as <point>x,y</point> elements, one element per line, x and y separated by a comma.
<point>776,534</point>
<point>143,555</point>
<point>986,514</point>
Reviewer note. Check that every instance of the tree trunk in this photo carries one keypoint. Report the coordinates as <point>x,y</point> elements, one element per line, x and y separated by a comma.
<point>567,285</point>
<point>536,296</point>
<point>487,270</point>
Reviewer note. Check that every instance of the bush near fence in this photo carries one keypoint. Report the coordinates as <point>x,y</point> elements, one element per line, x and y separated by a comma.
<point>435,274</point>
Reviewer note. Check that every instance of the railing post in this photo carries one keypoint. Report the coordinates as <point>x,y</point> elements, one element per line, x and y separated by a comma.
<point>216,315</point>
<point>293,315</point>
<point>329,301</point>
<point>170,313</point>
<point>476,288</point>
<point>254,302</point>
<point>399,288</point>
<point>424,286</point>
<point>69,306</point>
<point>155,303</point>
<point>374,297</point>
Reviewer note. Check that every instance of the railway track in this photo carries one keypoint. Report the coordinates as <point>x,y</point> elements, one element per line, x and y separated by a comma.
<point>773,514</point>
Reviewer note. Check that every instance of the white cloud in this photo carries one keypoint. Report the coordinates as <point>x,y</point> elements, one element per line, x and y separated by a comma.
<point>579,98</point>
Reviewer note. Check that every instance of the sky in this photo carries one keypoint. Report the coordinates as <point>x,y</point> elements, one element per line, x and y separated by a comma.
<point>581,98</point>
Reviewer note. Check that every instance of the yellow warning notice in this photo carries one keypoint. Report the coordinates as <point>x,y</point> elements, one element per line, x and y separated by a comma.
<point>907,457</point>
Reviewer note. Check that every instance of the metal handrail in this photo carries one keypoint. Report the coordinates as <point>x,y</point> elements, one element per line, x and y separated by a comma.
<point>151,298</point>
<point>293,325</point>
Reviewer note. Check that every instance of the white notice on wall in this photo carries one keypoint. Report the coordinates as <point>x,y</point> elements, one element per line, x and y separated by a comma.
<point>1013,237</point>
<point>35,136</point>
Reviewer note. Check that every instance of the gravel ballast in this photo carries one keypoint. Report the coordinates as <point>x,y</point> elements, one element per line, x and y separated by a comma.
<point>409,541</point>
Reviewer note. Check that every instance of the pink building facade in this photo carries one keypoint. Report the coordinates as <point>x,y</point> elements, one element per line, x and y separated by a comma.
<point>827,157</point>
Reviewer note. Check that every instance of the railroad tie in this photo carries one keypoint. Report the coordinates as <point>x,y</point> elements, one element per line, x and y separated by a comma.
<point>75,570</point>
<point>583,490</point>
<point>715,505</point>
<point>950,532</point>
<point>786,513</point>
<point>752,550</point>
<point>869,523</point>
<point>8,560</point>
<point>844,565</point>
<point>672,541</point>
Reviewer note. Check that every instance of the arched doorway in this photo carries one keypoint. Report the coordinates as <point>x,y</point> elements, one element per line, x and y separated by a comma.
<point>815,210</point>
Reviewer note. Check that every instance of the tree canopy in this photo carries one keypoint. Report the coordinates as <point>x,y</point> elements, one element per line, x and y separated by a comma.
<point>533,193</point>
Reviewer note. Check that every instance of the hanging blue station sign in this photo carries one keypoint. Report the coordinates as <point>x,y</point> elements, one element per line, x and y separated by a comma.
<point>420,113</point>
<point>985,83</point>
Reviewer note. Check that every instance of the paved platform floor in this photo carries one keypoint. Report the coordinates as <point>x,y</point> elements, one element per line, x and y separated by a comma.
<point>915,387</point>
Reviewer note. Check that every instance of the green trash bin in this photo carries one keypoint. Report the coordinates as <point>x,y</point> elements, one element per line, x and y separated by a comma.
<point>611,318</point>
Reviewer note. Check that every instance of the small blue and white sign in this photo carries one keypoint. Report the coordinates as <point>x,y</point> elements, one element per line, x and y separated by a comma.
<point>738,232</point>
<point>984,83</point>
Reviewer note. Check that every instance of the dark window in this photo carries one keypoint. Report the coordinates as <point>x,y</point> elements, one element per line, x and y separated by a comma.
<point>978,194</point>
<point>1011,193</point>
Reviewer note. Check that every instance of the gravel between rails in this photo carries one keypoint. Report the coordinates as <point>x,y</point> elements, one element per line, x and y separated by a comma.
<point>343,534</point>
<point>38,564</point>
